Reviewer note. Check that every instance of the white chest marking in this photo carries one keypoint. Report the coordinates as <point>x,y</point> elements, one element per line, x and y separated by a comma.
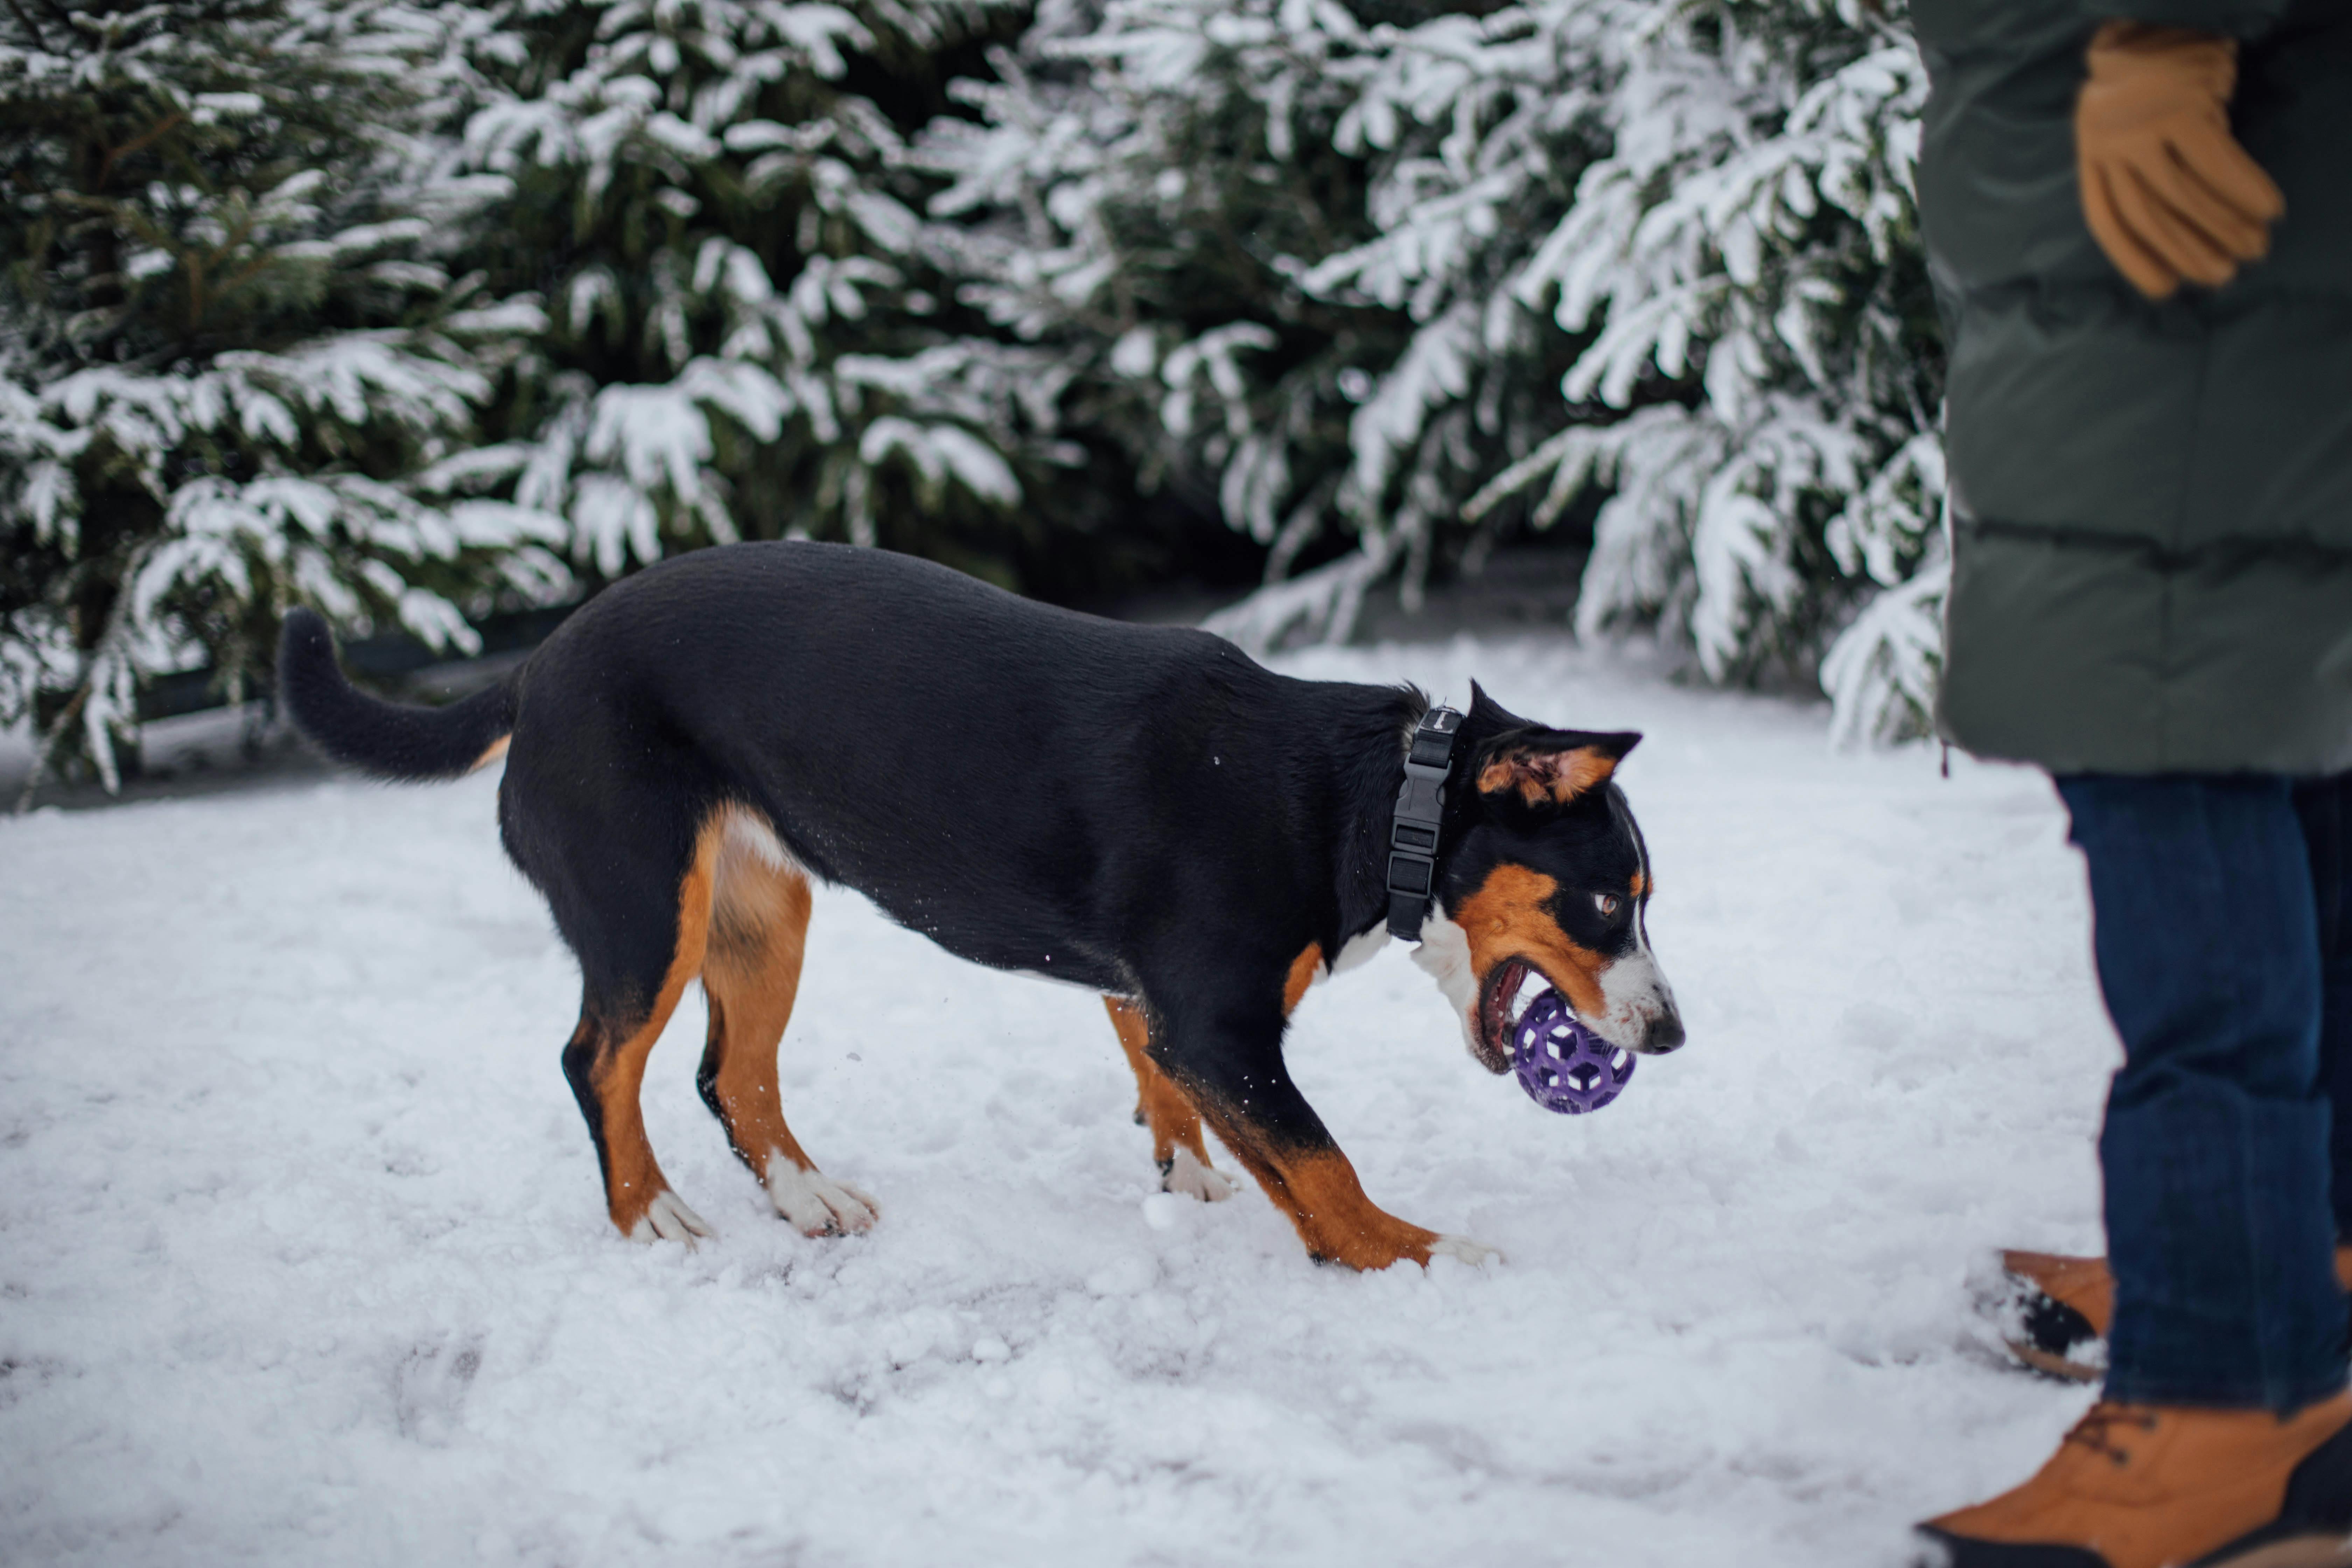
<point>1444,954</point>
<point>1359,949</point>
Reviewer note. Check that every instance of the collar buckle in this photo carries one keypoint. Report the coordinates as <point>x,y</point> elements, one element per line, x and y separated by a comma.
<point>1412,831</point>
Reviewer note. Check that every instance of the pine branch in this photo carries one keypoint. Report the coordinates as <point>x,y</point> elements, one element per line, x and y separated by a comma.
<point>49,746</point>
<point>163,128</point>
<point>40,39</point>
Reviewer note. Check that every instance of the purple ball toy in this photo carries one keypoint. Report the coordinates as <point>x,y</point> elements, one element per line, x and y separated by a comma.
<point>1562,1065</point>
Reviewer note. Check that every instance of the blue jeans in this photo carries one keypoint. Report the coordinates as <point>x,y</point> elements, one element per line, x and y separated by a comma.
<point>2220,934</point>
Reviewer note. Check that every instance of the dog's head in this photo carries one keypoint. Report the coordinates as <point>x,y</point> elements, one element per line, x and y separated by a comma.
<point>1548,882</point>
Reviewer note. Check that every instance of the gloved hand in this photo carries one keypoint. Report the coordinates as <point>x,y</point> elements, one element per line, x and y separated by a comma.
<point>2169,193</point>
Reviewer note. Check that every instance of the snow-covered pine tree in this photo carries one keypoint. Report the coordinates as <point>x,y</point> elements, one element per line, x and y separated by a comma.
<point>1488,264</point>
<point>228,361</point>
<point>1748,253</point>
<point>745,338</point>
<point>1138,191</point>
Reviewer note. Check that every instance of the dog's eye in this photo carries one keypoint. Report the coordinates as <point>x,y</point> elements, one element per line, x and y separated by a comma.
<point>1607,903</point>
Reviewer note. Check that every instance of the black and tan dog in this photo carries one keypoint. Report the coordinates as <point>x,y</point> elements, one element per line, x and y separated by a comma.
<point>1140,810</point>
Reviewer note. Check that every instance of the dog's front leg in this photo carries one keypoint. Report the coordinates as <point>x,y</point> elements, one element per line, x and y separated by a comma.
<point>1229,1061</point>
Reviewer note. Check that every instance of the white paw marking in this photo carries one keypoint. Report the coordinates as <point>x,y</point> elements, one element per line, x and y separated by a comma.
<point>816,1203</point>
<point>1472,1253</point>
<point>667,1218</point>
<point>1190,1178</point>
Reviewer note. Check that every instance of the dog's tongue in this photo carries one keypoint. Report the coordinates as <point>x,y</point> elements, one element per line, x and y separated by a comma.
<point>1563,1065</point>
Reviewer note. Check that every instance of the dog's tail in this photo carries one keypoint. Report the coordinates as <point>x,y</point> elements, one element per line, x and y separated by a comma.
<point>385,739</point>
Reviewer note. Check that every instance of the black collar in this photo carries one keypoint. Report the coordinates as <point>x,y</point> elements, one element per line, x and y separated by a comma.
<point>1412,831</point>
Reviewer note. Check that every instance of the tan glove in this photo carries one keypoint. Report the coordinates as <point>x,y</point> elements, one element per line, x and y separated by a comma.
<point>2169,195</point>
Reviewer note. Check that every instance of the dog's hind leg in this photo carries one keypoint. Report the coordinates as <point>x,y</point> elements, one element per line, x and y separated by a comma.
<point>627,1001</point>
<point>751,975</point>
<point>1162,1106</point>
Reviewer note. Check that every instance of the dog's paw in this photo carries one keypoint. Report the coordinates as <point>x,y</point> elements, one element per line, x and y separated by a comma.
<point>1472,1253</point>
<point>1188,1177</point>
<point>815,1203</point>
<point>667,1218</point>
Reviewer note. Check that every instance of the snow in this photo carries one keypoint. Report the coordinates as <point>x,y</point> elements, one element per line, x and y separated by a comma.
<point>306,1262</point>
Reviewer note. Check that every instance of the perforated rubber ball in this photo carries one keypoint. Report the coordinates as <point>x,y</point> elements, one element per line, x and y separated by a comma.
<point>1562,1065</point>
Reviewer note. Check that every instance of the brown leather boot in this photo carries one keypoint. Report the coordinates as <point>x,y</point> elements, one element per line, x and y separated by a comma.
<point>2055,1311</point>
<point>2140,1486</point>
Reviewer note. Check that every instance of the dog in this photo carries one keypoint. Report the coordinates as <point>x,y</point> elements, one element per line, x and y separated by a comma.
<point>1141,810</point>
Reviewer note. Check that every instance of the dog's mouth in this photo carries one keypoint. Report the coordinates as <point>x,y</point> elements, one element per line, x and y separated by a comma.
<point>1509,988</point>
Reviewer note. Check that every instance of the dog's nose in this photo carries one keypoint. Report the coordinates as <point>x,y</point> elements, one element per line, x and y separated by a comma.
<point>1665,1034</point>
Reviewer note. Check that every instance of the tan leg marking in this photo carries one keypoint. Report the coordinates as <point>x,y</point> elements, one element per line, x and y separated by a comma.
<point>1318,1188</point>
<point>1165,1109</point>
<point>1160,1104</point>
<point>1303,971</point>
<point>1319,1191</point>
<point>751,976</point>
<point>633,1177</point>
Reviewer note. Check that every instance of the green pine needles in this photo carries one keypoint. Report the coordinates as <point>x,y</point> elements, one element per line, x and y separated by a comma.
<point>746,337</point>
<point>230,354</point>
<point>414,311</point>
<point>1392,280</point>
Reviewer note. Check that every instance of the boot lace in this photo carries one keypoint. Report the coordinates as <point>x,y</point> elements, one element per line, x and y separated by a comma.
<point>2095,1430</point>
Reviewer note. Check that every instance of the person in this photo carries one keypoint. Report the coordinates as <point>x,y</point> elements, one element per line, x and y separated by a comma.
<point>2058,1308</point>
<point>2139,219</point>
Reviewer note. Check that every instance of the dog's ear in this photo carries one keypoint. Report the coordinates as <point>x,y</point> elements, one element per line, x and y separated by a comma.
<point>1537,768</point>
<point>1489,717</point>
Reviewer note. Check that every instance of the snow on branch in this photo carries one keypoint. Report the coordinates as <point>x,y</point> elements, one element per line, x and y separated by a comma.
<point>1662,250</point>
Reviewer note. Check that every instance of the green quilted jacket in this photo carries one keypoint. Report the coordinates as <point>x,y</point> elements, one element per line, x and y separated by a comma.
<point>2151,502</point>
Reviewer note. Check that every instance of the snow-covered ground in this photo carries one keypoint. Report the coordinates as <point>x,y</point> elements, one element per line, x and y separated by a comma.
<point>303,1258</point>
